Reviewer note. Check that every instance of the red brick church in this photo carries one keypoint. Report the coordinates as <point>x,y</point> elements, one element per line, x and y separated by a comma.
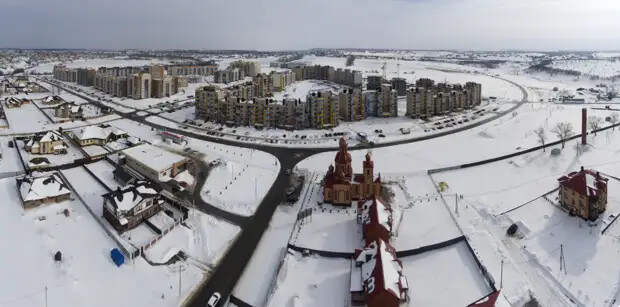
<point>342,187</point>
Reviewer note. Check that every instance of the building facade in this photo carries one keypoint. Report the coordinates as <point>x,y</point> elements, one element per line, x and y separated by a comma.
<point>583,193</point>
<point>342,187</point>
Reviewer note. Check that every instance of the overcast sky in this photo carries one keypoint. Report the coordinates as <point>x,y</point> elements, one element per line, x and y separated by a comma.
<point>301,24</point>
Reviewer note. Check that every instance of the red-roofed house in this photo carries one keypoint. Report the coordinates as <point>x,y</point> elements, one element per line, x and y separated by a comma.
<point>376,218</point>
<point>584,193</point>
<point>376,276</point>
<point>341,186</point>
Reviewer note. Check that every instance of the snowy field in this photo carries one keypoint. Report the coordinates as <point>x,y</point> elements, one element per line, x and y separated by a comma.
<point>300,89</point>
<point>76,280</point>
<point>502,136</point>
<point>445,277</point>
<point>312,281</point>
<point>603,68</point>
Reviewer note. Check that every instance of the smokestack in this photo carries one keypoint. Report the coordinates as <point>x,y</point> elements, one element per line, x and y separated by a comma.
<point>584,119</point>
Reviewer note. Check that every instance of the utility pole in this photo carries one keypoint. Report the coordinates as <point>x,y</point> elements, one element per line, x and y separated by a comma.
<point>562,259</point>
<point>180,281</point>
<point>456,203</point>
<point>45,295</point>
<point>501,275</point>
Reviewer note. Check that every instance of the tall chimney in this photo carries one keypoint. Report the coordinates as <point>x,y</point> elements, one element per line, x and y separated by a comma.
<point>584,120</point>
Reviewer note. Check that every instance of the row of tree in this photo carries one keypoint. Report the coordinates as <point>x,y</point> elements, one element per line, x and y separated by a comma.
<point>564,130</point>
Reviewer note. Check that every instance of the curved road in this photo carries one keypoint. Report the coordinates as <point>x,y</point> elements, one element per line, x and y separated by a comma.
<point>232,265</point>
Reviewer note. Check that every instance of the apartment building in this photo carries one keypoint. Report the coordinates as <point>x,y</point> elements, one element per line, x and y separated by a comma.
<point>140,85</point>
<point>262,85</point>
<point>281,79</point>
<point>387,103</point>
<point>428,99</point>
<point>228,75</point>
<point>207,69</point>
<point>208,99</point>
<point>400,85</point>
<point>323,110</point>
<point>374,83</point>
<point>351,105</point>
<point>248,68</point>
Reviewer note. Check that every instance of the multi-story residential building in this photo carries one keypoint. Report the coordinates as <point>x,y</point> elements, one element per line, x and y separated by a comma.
<point>86,76</point>
<point>244,91</point>
<point>400,85</point>
<point>387,104</point>
<point>323,110</point>
<point>428,99</point>
<point>207,69</point>
<point>248,68</point>
<point>281,79</point>
<point>351,105</point>
<point>139,85</point>
<point>374,83</point>
<point>262,85</point>
<point>208,99</point>
<point>228,75</point>
<point>163,87</point>
<point>346,77</point>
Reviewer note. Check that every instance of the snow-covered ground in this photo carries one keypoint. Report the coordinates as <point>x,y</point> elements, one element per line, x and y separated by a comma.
<point>327,285</point>
<point>598,67</point>
<point>300,89</point>
<point>86,268</point>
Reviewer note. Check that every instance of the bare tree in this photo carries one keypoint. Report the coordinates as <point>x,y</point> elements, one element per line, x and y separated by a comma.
<point>613,119</point>
<point>563,130</point>
<point>594,122</point>
<point>541,135</point>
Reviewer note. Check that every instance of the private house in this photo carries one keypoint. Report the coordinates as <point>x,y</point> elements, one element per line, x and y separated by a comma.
<point>52,100</point>
<point>377,276</point>
<point>341,186</point>
<point>12,102</point>
<point>153,162</point>
<point>35,191</point>
<point>584,193</point>
<point>69,110</point>
<point>98,135</point>
<point>376,219</point>
<point>50,142</point>
<point>125,208</point>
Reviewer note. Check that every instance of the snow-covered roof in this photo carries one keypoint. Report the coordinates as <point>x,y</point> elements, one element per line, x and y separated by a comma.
<point>376,212</point>
<point>130,196</point>
<point>585,182</point>
<point>93,132</point>
<point>380,269</point>
<point>153,157</point>
<point>51,136</point>
<point>36,188</point>
<point>99,132</point>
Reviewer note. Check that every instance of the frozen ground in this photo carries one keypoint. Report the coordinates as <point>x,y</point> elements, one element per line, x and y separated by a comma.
<point>598,67</point>
<point>445,277</point>
<point>76,280</point>
<point>312,281</point>
<point>300,89</point>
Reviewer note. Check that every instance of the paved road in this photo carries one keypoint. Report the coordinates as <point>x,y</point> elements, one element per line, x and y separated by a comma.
<point>232,265</point>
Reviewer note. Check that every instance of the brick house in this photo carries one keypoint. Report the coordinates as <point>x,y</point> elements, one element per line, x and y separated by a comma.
<point>584,193</point>
<point>69,110</point>
<point>125,208</point>
<point>50,142</point>
<point>342,187</point>
<point>376,219</point>
<point>35,191</point>
<point>376,276</point>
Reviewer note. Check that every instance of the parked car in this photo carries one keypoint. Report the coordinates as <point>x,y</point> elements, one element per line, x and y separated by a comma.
<point>214,299</point>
